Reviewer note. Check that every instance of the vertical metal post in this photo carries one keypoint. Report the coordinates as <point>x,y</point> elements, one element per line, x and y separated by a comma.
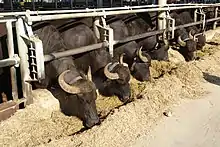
<point>10,45</point>
<point>121,3</point>
<point>195,15</point>
<point>130,2</point>
<point>111,3</point>
<point>161,14</point>
<point>216,15</point>
<point>139,2</point>
<point>111,41</point>
<point>71,4</point>
<point>55,4</point>
<point>33,5</point>
<point>87,3</point>
<point>24,65</point>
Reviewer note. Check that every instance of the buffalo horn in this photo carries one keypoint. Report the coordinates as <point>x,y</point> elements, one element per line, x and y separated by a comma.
<point>89,74</point>
<point>66,87</point>
<point>190,35</point>
<point>143,58</point>
<point>108,74</point>
<point>121,60</point>
<point>181,42</point>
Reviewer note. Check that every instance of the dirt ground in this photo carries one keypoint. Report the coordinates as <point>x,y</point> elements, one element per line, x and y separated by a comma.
<point>193,123</point>
<point>42,124</point>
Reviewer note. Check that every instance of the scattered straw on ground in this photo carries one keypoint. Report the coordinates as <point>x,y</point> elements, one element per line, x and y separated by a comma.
<point>42,124</point>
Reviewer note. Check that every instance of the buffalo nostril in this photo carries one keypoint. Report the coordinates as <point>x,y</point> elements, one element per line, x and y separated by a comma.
<point>92,123</point>
<point>125,99</point>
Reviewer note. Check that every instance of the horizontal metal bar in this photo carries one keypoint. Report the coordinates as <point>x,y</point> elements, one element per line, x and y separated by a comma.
<point>9,62</point>
<point>11,54</point>
<point>105,44</point>
<point>139,36</point>
<point>3,20</point>
<point>148,34</point>
<point>93,14</point>
<point>74,51</point>
<point>103,9</point>
<point>168,6</point>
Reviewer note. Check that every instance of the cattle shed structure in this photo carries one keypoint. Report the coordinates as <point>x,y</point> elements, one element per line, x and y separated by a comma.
<point>25,54</point>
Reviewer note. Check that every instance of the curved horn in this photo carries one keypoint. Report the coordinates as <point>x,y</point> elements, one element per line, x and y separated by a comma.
<point>121,60</point>
<point>143,58</point>
<point>181,42</point>
<point>190,35</point>
<point>89,74</point>
<point>166,42</point>
<point>108,74</point>
<point>66,87</point>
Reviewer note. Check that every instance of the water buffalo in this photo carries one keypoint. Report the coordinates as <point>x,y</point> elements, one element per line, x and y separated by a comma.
<point>158,50</point>
<point>193,30</point>
<point>66,78</point>
<point>138,61</point>
<point>110,76</point>
<point>184,39</point>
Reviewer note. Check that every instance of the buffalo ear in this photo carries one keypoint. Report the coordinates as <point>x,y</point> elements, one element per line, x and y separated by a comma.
<point>89,74</point>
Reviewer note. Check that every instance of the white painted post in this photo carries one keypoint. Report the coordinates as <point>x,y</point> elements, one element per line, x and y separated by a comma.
<point>216,15</point>
<point>161,14</point>
<point>24,65</point>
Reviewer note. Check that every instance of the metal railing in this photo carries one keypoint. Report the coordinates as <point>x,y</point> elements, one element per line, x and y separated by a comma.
<point>26,40</point>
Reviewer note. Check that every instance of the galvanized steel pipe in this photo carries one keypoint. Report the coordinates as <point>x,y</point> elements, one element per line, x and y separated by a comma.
<point>104,13</point>
<point>161,15</point>
<point>75,51</point>
<point>103,9</point>
<point>24,66</point>
<point>8,62</point>
<point>105,44</point>
<point>152,33</point>
<point>11,54</point>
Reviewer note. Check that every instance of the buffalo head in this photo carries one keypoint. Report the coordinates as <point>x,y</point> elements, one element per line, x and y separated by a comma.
<point>85,92</point>
<point>201,40</point>
<point>188,47</point>
<point>160,51</point>
<point>140,66</point>
<point>117,80</point>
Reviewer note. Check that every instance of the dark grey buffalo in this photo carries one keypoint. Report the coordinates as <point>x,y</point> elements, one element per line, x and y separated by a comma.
<point>72,87</point>
<point>184,39</point>
<point>110,76</point>
<point>158,50</point>
<point>193,30</point>
<point>138,61</point>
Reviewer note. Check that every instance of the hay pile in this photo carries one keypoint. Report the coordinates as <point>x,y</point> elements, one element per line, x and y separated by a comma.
<point>210,48</point>
<point>42,124</point>
<point>38,123</point>
<point>159,68</point>
<point>128,122</point>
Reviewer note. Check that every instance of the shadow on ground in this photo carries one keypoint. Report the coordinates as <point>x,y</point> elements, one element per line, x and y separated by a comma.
<point>212,43</point>
<point>211,78</point>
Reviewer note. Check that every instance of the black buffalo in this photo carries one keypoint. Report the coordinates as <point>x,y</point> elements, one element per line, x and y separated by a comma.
<point>110,76</point>
<point>193,30</point>
<point>138,61</point>
<point>158,50</point>
<point>184,39</point>
<point>71,83</point>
